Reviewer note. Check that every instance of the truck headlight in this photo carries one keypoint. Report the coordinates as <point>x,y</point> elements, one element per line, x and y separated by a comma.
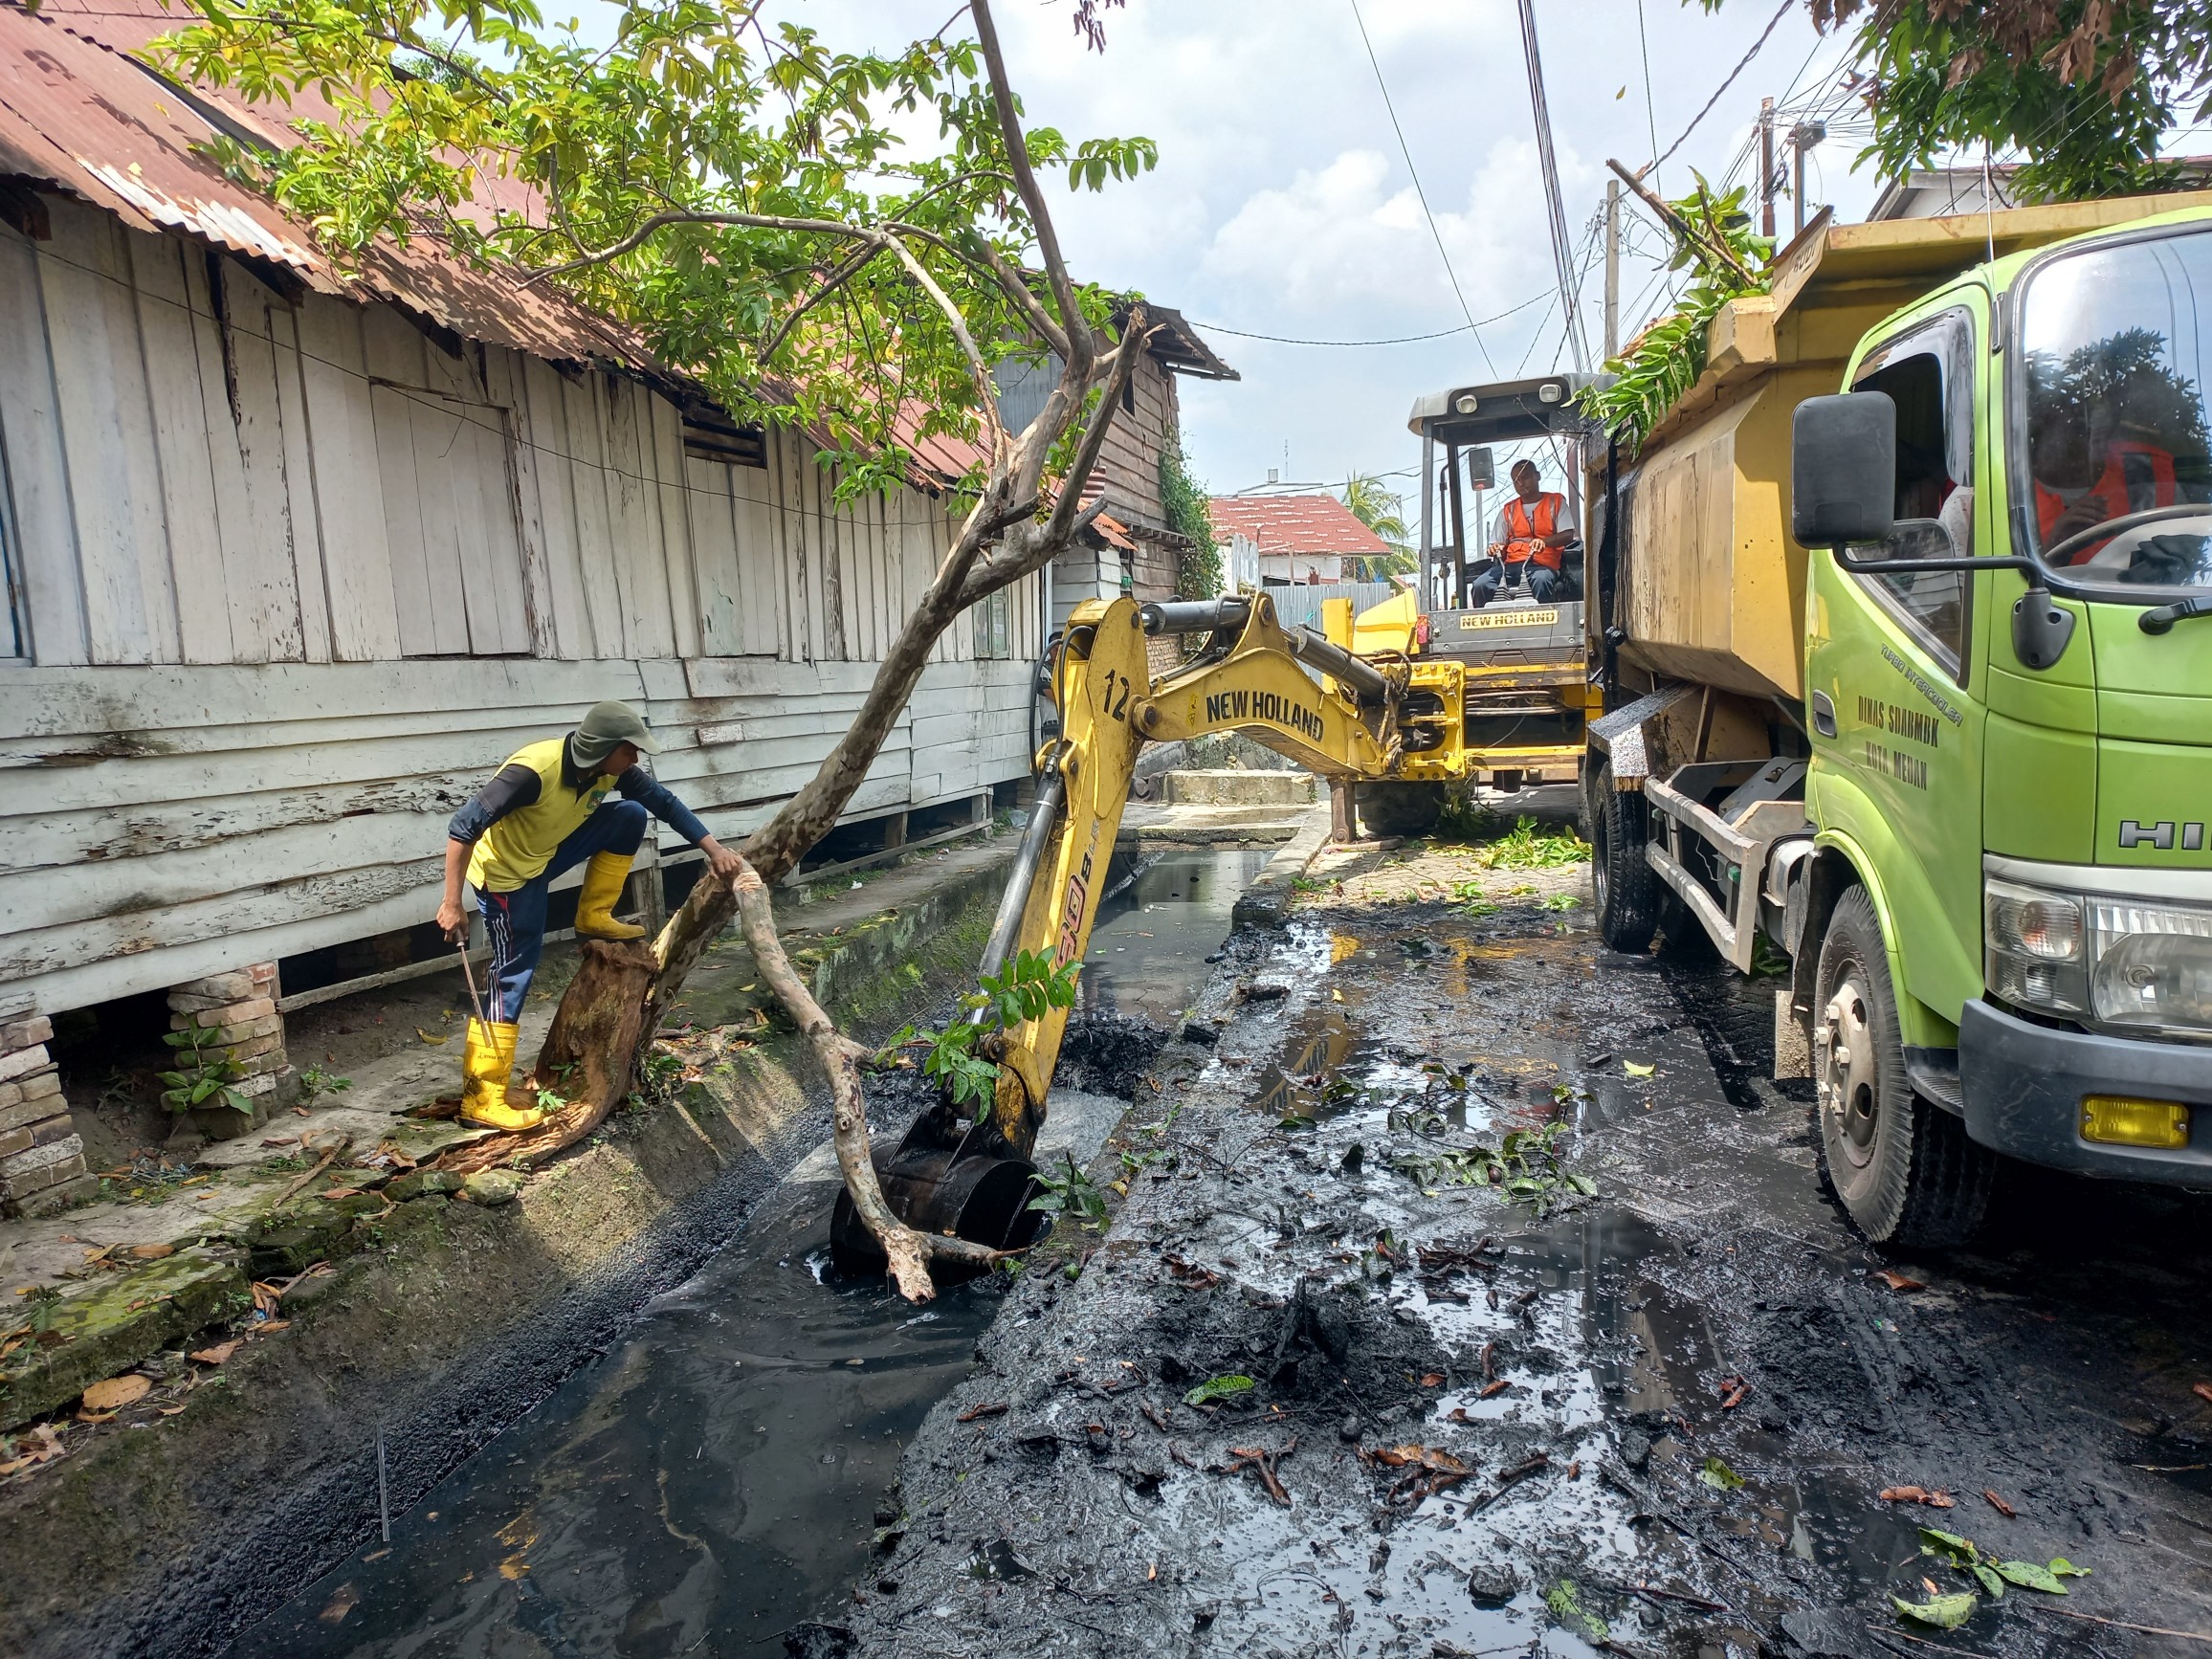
<point>2154,966</point>
<point>2037,947</point>
<point>2116,962</point>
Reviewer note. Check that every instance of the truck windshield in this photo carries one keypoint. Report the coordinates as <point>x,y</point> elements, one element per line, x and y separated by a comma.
<point>2117,359</point>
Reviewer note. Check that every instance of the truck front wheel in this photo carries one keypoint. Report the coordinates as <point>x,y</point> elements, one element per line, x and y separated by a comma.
<point>1627,887</point>
<point>1903,1168</point>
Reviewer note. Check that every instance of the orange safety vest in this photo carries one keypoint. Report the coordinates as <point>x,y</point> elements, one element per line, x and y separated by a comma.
<point>1526,527</point>
<point>2130,469</point>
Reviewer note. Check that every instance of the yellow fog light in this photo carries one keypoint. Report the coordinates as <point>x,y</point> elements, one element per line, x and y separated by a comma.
<point>2118,1122</point>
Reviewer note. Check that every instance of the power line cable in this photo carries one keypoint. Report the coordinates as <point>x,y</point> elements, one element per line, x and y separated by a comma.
<point>1397,340</point>
<point>1563,246</point>
<point>1650,112</point>
<point>1420,195</point>
<point>1742,64</point>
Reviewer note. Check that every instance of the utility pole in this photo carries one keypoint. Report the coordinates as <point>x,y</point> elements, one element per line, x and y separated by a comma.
<point>1802,138</point>
<point>1613,269</point>
<point>1766,167</point>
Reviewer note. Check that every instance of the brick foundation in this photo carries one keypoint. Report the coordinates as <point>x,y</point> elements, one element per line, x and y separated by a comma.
<point>237,1014</point>
<point>41,1155</point>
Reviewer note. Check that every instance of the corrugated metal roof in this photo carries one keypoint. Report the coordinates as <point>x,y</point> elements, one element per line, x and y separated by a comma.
<point>1296,524</point>
<point>80,114</point>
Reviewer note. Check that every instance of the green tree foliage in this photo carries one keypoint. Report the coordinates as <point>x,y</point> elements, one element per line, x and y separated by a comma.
<point>730,185</point>
<point>2079,90</point>
<point>1727,259</point>
<point>1382,511</point>
<point>1189,513</point>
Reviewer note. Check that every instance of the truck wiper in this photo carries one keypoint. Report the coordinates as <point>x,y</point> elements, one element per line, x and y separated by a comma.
<point>2161,618</point>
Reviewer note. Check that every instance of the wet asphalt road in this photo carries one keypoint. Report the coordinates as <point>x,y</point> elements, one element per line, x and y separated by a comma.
<point>1658,1420</point>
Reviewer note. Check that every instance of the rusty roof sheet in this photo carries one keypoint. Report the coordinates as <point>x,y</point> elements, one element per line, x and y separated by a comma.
<point>80,114</point>
<point>1296,525</point>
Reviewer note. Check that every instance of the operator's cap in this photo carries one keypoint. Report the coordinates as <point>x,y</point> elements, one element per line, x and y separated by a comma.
<point>606,725</point>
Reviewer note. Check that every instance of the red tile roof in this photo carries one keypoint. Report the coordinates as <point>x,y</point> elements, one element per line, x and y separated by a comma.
<point>1296,525</point>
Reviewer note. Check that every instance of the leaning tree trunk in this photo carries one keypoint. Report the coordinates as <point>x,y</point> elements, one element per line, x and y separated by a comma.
<point>614,1007</point>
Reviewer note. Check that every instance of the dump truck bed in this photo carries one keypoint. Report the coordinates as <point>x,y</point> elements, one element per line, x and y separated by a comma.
<point>1709,587</point>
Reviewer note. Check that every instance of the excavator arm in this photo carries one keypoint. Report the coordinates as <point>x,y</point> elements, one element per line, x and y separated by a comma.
<point>1365,719</point>
<point>1359,722</point>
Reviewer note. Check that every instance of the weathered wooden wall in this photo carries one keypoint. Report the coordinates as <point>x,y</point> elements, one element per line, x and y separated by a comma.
<point>293,579</point>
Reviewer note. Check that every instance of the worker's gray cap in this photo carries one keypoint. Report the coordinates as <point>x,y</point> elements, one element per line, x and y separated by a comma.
<point>608,724</point>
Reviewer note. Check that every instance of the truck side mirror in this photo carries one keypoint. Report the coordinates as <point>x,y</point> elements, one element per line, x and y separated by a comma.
<point>1844,468</point>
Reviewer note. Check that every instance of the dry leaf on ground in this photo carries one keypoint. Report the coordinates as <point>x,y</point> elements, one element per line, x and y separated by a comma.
<point>1918,1495</point>
<point>117,1392</point>
<point>1998,1504</point>
<point>1899,1282</point>
<point>217,1355</point>
<point>152,1252</point>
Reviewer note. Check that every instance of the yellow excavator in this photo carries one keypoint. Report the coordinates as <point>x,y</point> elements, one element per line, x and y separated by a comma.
<point>1391,705</point>
<point>1376,714</point>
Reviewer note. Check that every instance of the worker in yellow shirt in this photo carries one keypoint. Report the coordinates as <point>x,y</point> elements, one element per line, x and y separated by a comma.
<point>544,812</point>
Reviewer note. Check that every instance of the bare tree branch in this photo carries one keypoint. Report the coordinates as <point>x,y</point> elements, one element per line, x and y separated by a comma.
<point>1079,352</point>
<point>689,217</point>
<point>1134,333</point>
<point>906,1250</point>
<point>987,393</point>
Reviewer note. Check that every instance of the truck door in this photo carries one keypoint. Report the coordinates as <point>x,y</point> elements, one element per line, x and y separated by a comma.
<point>1897,758</point>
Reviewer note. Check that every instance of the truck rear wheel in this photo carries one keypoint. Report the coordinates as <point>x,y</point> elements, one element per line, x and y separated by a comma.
<point>1627,887</point>
<point>1400,808</point>
<point>1903,1167</point>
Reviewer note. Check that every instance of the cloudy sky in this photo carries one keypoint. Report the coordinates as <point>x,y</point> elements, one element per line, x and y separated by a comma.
<point>1282,204</point>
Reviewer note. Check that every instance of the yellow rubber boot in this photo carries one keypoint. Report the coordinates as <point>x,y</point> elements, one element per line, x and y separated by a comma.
<point>486,1067</point>
<point>603,879</point>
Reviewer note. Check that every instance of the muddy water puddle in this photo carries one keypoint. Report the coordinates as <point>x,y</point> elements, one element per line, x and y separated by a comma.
<point>1162,916</point>
<point>705,1486</point>
<point>720,1476</point>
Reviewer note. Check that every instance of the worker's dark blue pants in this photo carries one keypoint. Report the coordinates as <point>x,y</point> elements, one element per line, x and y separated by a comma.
<point>515,923</point>
<point>1543,582</point>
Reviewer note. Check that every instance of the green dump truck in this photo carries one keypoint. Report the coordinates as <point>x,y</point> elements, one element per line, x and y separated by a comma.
<point>1903,616</point>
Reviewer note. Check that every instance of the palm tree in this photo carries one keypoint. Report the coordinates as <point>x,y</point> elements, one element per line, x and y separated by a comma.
<point>1382,512</point>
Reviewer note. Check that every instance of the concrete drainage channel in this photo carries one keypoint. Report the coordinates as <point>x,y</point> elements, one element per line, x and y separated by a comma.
<point>717,1475</point>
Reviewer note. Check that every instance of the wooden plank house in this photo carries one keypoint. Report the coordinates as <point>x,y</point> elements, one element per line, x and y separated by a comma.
<point>296,557</point>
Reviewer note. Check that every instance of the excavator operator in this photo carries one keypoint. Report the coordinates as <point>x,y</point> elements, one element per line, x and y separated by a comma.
<point>1533,533</point>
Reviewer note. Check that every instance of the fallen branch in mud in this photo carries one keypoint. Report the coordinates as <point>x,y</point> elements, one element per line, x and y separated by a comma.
<point>1261,1462</point>
<point>2122,1623</point>
<point>906,1250</point>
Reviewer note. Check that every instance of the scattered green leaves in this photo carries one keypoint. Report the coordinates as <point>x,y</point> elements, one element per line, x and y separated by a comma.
<point>1527,1163</point>
<point>1940,1612</point>
<point>1559,901</point>
<point>1566,1606</point>
<point>1962,1555</point>
<point>1524,847</point>
<point>1068,1191</point>
<point>1720,1476</point>
<point>1215,1388</point>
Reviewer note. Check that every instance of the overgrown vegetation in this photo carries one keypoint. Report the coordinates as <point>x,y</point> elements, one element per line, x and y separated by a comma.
<point>205,1072</point>
<point>1727,259</point>
<point>1189,513</point>
<point>2079,90</point>
<point>1025,989</point>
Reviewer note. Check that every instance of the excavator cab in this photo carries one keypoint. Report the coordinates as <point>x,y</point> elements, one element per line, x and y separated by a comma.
<point>1528,685</point>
